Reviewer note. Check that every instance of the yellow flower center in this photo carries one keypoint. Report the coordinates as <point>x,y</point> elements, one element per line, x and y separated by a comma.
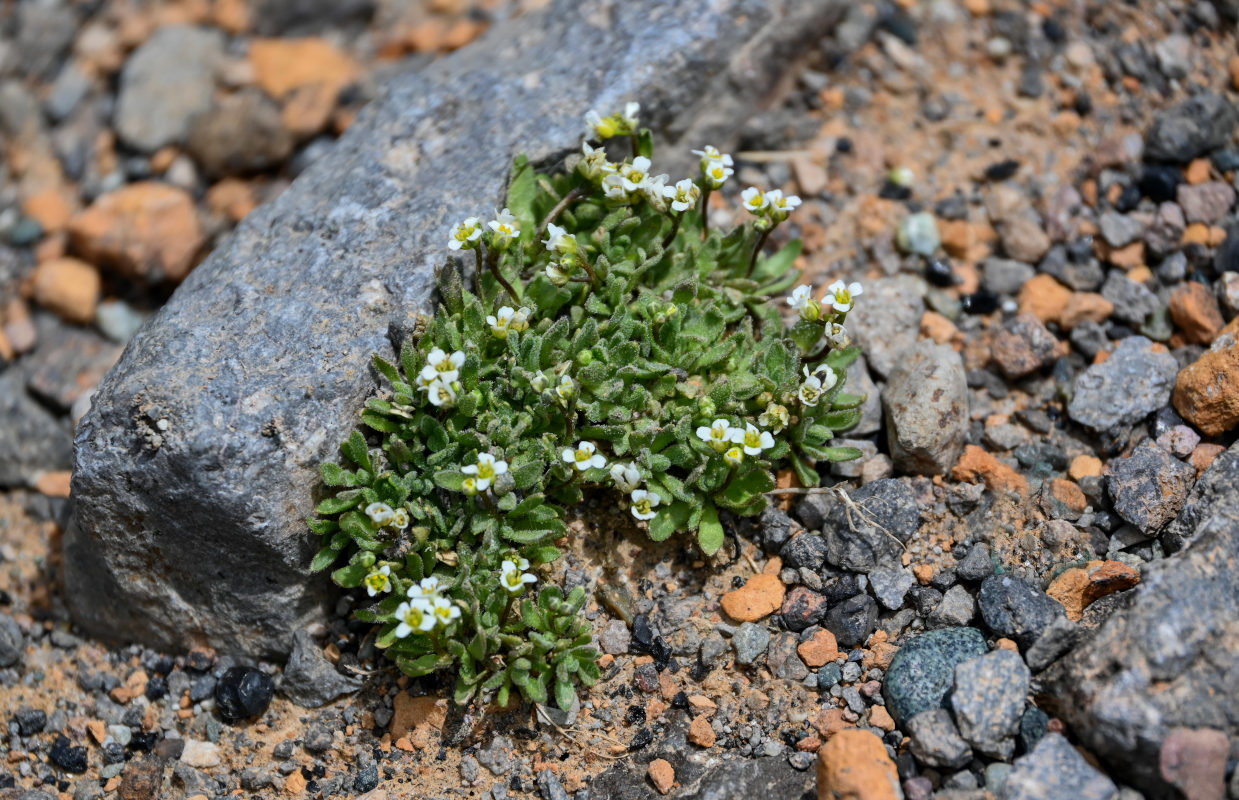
<point>644,506</point>
<point>843,296</point>
<point>377,581</point>
<point>752,438</point>
<point>512,579</point>
<point>486,469</point>
<point>443,612</point>
<point>413,617</point>
<point>583,455</point>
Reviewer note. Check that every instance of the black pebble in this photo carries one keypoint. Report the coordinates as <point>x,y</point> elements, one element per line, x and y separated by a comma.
<point>661,651</point>
<point>635,715</point>
<point>1084,104</point>
<point>30,721</point>
<point>980,303</point>
<point>843,144</point>
<point>68,757</point>
<point>893,191</point>
<point>642,634</point>
<point>243,692</point>
<point>367,779</point>
<point>1002,170</point>
<point>1053,30</point>
<point>680,700</point>
<point>1160,182</point>
<point>938,272</point>
<point>643,738</point>
<point>156,688</point>
<point>1129,198</point>
<point>143,740</point>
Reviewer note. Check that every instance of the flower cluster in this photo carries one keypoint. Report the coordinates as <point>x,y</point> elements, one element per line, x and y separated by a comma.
<point>612,344</point>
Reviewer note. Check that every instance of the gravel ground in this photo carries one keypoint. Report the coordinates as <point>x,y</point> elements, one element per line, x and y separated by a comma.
<point>1040,202</point>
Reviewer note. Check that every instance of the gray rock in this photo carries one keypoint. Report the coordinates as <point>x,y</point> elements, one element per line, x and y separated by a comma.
<point>922,672</point>
<point>977,565</point>
<point>44,32</point>
<point>1016,608</point>
<point>70,88</point>
<point>750,641</point>
<point>167,82</point>
<point>1190,129</point>
<point>1170,657</point>
<point>1212,505</point>
<point>870,527</point>
<point>807,550</point>
<point>852,620</point>
<point>1119,230</point>
<point>957,608</point>
<point>1054,639</point>
<point>497,755</point>
<point>67,363</point>
<point>1149,487</point>
<point>1166,233</point>
<point>1174,55</point>
<point>242,134</point>
<point>1055,770</point>
<point>855,468</point>
<point>31,440</point>
<point>859,382</point>
<point>1205,202</point>
<point>282,17</point>
<point>1133,302</point>
<point>783,660</point>
<point>1023,345</point>
<point>12,644</point>
<point>197,463</point>
<point>890,585</point>
<point>1005,276</point>
<point>888,320</point>
<point>1132,383</point>
<point>706,779</point>
<point>614,637</point>
<point>926,404</point>
<point>1090,338</point>
<point>918,233</point>
<point>311,680</point>
<point>988,699</point>
<point>1227,291</point>
<point>936,741</point>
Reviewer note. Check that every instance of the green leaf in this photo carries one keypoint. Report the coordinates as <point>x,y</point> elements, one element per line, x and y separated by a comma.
<point>710,535</point>
<point>354,449</point>
<point>844,400</point>
<point>565,695</point>
<point>417,667</point>
<point>324,558</point>
<point>842,453</point>
<point>451,479</point>
<point>779,263</point>
<point>522,191</point>
<point>333,474</point>
<point>340,503</point>
<point>350,577</point>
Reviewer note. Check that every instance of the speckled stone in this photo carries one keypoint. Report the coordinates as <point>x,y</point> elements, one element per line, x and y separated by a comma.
<point>988,698</point>
<point>202,447</point>
<point>921,674</point>
<point>1132,383</point>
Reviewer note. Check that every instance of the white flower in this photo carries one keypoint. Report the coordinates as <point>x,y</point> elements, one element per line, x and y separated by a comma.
<point>566,390</point>
<point>629,116</point>
<point>755,201</point>
<point>683,196</point>
<point>486,470</point>
<point>837,335</point>
<point>427,589</point>
<point>717,435</point>
<point>426,378</point>
<point>711,155</point>
<point>901,176</point>
<point>441,394</point>
<point>811,390</point>
<point>558,272</point>
<point>465,235</point>
<point>595,166</point>
<point>559,240</point>
<point>447,366</point>
<point>380,514</point>
<point>512,578</point>
<point>655,189</point>
<point>734,456</point>
<point>634,175</point>
<point>444,611</point>
<point>613,188</point>
<point>378,581</point>
<point>584,457</point>
<point>400,519</point>
<point>505,227</point>
<point>774,417</point>
<point>520,320</point>
<point>716,173</point>
<point>501,321</point>
<point>752,439</point>
<point>538,382</point>
<point>602,127</point>
<point>415,616</point>
<point>469,486</point>
<point>802,300</point>
<point>644,503</point>
<point>781,205</point>
<point>626,476</point>
<point>841,297</point>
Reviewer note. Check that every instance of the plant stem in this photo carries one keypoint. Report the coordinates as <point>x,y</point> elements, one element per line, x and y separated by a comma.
<point>705,213</point>
<point>636,144</point>
<point>564,202</point>
<point>761,240</point>
<point>507,609</point>
<point>494,270</point>
<point>675,228</point>
<point>593,276</point>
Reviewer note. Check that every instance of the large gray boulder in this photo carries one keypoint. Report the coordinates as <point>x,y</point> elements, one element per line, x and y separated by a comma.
<point>1170,658</point>
<point>197,465</point>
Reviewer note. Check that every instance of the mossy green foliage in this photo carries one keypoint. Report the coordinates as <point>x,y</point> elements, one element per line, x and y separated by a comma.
<point>645,332</point>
